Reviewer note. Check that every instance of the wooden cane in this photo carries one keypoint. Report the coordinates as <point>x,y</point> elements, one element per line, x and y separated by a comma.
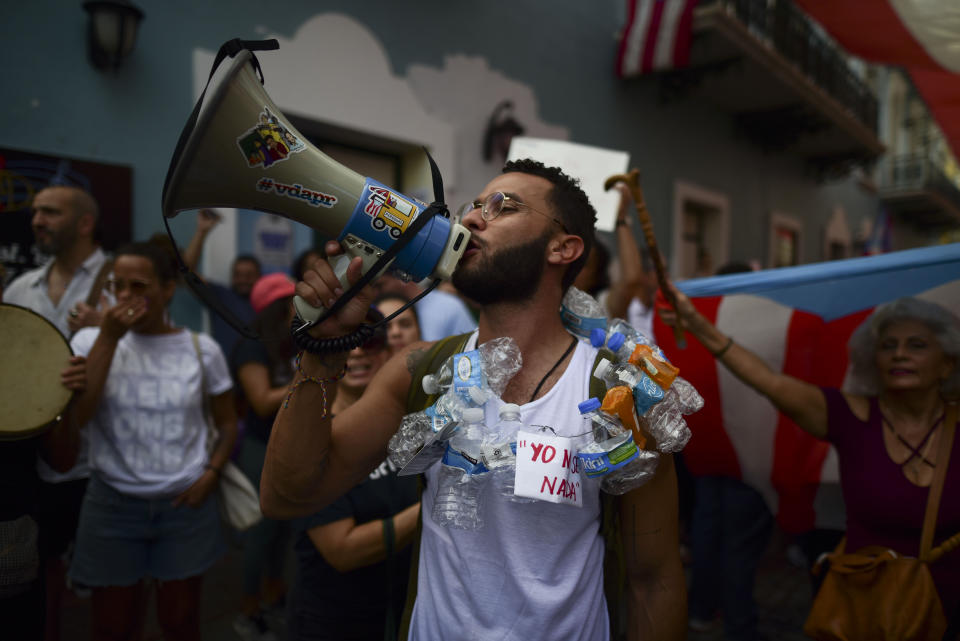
<point>632,181</point>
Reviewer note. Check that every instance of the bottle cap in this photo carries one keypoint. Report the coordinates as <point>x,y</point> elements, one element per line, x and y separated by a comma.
<point>603,367</point>
<point>429,384</point>
<point>616,341</point>
<point>478,395</point>
<point>510,409</point>
<point>589,405</point>
<point>473,415</point>
<point>598,337</point>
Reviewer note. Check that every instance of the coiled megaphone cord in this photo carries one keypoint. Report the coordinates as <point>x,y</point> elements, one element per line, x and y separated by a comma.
<point>354,339</point>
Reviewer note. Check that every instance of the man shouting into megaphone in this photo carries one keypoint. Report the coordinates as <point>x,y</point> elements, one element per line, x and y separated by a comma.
<point>534,570</point>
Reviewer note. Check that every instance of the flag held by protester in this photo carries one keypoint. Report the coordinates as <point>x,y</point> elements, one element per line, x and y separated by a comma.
<point>798,319</point>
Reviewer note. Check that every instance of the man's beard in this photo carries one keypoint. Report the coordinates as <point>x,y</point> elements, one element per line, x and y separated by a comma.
<point>508,275</point>
<point>57,240</point>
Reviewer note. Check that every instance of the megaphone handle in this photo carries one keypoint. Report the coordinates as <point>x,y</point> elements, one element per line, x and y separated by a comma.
<point>308,312</point>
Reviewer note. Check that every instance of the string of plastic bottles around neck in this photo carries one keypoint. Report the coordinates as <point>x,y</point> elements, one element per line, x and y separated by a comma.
<point>639,416</point>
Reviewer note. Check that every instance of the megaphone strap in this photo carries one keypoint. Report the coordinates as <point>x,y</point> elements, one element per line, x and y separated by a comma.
<point>353,340</point>
<point>229,48</point>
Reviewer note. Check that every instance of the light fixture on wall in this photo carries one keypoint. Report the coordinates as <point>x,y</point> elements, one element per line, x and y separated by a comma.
<point>112,31</point>
<point>501,128</point>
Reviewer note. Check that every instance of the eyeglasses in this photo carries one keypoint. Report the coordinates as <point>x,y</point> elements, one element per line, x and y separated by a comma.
<point>498,203</point>
<point>136,286</point>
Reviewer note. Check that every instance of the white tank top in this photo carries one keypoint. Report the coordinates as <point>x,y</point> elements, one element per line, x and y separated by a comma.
<point>534,570</point>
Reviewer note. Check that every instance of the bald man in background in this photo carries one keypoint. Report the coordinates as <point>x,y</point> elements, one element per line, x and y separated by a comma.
<point>64,221</point>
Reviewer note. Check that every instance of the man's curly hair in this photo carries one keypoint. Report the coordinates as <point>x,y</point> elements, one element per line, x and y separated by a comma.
<point>569,203</point>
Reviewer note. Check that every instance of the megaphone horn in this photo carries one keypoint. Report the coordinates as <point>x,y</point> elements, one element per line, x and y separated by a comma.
<point>244,153</point>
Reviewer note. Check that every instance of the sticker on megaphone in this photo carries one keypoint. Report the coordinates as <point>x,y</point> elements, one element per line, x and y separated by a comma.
<point>380,218</point>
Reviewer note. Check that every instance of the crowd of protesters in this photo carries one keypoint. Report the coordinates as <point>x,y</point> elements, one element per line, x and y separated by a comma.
<point>117,500</point>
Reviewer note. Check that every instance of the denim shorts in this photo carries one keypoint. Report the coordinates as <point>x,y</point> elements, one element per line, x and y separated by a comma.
<point>123,539</point>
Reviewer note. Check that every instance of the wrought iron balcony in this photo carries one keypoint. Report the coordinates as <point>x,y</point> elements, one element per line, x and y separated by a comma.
<point>916,189</point>
<point>785,82</point>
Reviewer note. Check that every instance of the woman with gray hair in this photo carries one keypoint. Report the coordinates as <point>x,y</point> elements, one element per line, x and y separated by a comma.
<point>888,426</point>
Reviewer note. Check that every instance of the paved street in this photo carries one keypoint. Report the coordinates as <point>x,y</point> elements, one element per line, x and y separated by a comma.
<point>782,591</point>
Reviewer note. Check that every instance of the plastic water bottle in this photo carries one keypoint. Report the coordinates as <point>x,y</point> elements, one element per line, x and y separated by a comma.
<point>499,361</point>
<point>581,313</point>
<point>665,421</point>
<point>630,332</point>
<point>499,452</point>
<point>462,476</point>
<point>613,457</point>
<point>409,438</point>
<point>614,374</point>
<point>648,358</point>
<point>646,393</point>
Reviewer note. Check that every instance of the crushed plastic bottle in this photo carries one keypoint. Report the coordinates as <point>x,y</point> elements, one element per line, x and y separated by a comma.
<point>630,332</point>
<point>499,361</point>
<point>499,452</point>
<point>613,457</point>
<point>462,477</point>
<point>581,313</point>
<point>409,438</point>
<point>468,379</point>
<point>665,421</point>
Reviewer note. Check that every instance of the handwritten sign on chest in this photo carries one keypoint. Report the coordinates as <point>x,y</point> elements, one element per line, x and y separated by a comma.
<point>548,469</point>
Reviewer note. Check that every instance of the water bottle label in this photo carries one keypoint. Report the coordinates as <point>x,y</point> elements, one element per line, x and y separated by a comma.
<point>580,325</point>
<point>438,420</point>
<point>467,373</point>
<point>497,455</point>
<point>597,464</point>
<point>646,394</point>
<point>548,469</point>
<point>462,460</point>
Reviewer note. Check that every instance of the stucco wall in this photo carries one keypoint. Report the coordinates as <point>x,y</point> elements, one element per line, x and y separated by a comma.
<point>452,63</point>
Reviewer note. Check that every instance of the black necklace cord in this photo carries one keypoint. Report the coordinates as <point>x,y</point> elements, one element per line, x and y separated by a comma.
<point>543,380</point>
<point>915,451</point>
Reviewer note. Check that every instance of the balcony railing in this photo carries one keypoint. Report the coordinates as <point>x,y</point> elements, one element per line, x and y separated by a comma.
<point>918,178</point>
<point>795,37</point>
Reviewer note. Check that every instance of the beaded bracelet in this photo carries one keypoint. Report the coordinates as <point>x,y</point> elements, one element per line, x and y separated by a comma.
<point>306,378</point>
<point>723,350</point>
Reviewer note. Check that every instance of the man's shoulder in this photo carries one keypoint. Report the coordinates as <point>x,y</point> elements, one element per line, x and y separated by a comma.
<point>17,291</point>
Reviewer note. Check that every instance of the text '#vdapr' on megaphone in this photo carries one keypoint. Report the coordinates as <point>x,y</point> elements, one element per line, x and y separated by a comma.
<point>244,153</point>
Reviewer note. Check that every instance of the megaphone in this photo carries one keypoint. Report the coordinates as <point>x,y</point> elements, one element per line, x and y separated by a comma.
<point>244,153</point>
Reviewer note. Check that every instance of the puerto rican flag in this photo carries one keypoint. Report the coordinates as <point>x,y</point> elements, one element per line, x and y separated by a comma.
<point>656,36</point>
<point>798,319</point>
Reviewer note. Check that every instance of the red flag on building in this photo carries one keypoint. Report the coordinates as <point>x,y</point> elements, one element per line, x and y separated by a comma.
<point>656,36</point>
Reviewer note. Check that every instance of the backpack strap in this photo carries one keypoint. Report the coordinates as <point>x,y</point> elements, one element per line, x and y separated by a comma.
<point>614,565</point>
<point>418,400</point>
